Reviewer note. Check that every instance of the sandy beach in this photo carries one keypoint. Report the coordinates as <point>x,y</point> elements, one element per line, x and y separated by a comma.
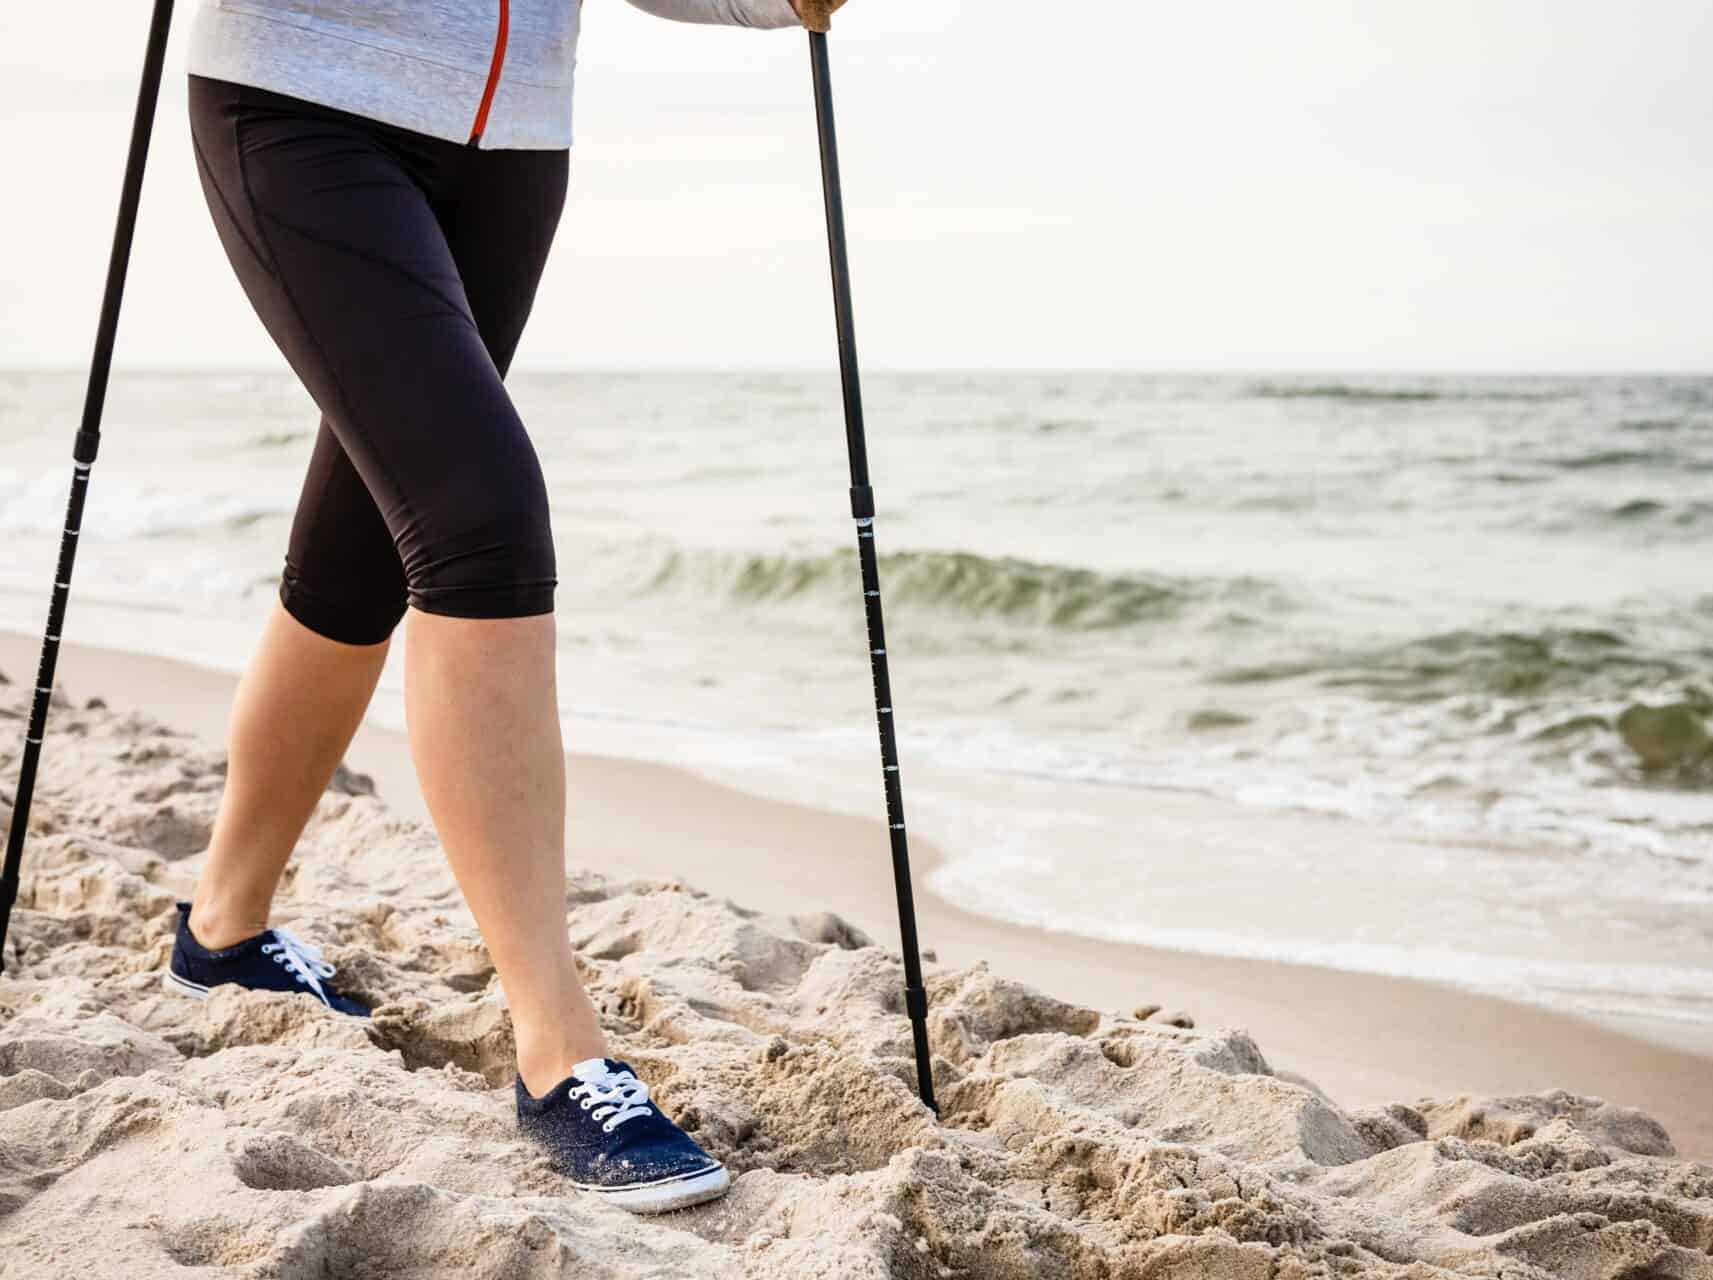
<point>1082,1134</point>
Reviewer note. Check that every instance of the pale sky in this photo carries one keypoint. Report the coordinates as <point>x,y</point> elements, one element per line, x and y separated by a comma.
<point>1232,184</point>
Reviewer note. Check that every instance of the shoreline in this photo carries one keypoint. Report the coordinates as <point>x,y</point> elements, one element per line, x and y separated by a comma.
<point>1364,1039</point>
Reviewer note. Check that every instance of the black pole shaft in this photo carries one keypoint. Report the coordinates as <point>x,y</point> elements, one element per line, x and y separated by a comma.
<point>83,452</point>
<point>862,509</point>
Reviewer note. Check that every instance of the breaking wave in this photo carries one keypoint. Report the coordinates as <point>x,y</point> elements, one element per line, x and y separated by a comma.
<point>1010,590</point>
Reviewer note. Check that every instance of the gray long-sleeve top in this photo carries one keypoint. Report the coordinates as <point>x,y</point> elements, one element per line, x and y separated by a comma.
<point>496,73</point>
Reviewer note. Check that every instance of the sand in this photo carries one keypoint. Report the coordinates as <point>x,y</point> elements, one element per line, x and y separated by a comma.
<point>258,1135</point>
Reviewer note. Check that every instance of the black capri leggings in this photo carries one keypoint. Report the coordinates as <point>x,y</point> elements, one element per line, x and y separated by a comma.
<point>395,271</point>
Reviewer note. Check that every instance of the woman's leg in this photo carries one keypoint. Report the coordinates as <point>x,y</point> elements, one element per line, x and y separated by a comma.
<point>331,230</point>
<point>484,730</point>
<point>284,748</point>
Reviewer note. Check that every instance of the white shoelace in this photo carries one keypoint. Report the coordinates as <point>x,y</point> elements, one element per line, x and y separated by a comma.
<point>618,1098</point>
<point>301,958</point>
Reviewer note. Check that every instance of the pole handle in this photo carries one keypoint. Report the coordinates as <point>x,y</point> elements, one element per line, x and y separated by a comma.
<point>817,15</point>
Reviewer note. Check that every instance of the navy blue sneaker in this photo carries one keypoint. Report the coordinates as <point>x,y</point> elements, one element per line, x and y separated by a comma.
<point>604,1134</point>
<point>276,960</point>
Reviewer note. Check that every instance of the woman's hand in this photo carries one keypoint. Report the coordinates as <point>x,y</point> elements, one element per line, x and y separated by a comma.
<point>817,15</point>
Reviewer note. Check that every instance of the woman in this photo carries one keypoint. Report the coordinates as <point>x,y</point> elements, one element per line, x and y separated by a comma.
<point>386,177</point>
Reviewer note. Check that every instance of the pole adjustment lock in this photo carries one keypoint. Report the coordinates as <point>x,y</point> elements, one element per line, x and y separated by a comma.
<point>862,502</point>
<point>84,450</point>
<point>916,1003</point>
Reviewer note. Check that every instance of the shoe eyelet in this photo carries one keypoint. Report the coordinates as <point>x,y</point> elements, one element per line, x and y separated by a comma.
<point>607,1127</point>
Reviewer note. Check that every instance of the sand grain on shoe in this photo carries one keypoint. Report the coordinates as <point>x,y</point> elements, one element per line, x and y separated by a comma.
<point>252,1135</point>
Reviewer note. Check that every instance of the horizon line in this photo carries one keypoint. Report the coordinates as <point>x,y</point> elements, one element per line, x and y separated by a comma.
<point>832,371</point>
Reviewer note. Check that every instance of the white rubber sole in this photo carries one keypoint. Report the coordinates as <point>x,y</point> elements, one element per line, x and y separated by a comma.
<point>183,986</point>
<point>664,1197</point>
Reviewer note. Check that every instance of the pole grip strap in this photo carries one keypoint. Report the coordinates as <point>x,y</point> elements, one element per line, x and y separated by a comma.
<point>916,1003</point>
<point>862,502</point>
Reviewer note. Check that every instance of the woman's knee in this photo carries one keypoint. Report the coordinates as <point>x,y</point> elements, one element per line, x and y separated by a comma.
<point>498,562</point>
<point>338,608</point>
<point>501,566</point>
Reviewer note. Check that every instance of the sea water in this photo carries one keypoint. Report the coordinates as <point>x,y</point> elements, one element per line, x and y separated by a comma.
<point>1338,608</point>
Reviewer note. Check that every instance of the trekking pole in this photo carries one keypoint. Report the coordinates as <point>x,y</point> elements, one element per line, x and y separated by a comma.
<point>83,452</point>
<point>862,509</point>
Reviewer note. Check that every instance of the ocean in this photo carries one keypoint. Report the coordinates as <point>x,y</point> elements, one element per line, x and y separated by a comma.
<point>1438,650</point>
